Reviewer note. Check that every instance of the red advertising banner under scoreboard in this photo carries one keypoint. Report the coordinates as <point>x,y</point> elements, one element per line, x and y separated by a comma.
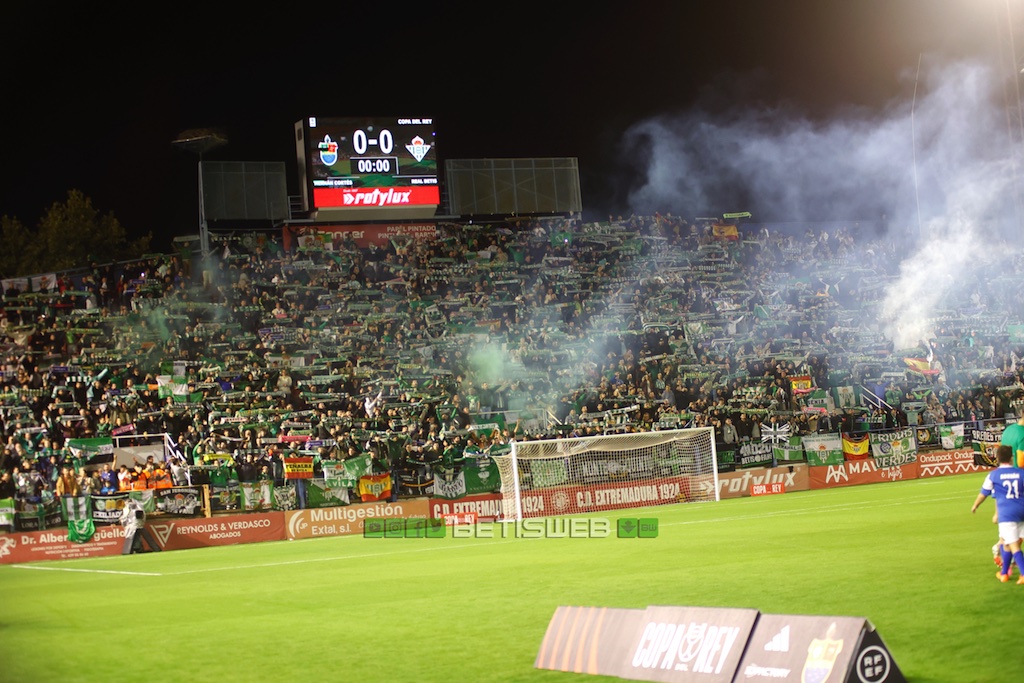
<point>380,197</point>
<point>330,236</point>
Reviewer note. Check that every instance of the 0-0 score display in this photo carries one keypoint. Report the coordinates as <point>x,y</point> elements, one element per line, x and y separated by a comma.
<point>384,141</point>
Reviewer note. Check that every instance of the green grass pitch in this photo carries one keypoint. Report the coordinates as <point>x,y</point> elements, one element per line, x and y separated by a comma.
<point>909,556</point>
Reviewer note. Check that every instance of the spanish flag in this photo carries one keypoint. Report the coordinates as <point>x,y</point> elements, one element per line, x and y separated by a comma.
<point>856,448</point>
<point>298,468</point>
<point>725,231</point>
<point>375,487</point>
<point>920,366</point>
<point>801,384</point>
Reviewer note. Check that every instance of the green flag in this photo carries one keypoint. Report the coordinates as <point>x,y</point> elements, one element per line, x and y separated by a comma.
<point>324,493</point>
<point>7,512</point>
<point>345,473</point>
<point>952,436</point>
<point>256,495</point>
<point>793,450</point>
<point>80,524</point>
<point>146,498</point>
<point>823,449</point>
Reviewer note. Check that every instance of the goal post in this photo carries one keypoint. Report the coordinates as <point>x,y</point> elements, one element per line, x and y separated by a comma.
<point>611,472</point>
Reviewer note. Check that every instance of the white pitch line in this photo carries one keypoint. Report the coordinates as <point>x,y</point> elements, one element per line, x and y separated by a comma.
<point>84,571</point>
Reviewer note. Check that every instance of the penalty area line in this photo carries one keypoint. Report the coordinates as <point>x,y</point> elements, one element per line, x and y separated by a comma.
<point>84,571</point>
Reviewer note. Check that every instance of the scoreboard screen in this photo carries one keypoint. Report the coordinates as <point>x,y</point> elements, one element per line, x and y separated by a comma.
<point>365,163</point>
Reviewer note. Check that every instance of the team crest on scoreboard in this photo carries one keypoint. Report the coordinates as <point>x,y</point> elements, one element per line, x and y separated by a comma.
<point>417,148</point>
<point>328,151</point>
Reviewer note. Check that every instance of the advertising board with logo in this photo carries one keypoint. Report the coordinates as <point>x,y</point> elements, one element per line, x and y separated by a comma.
<point>351,519</point>
<point>688,644</point>
<point>816,648</point>
<point>33,546</point>
<point>743,483</point>
<point>942,463</point>
<point>684,644</point>
<point>181,534</point>
<point>333,237</point>
<point>486,506</point>
<point>854,472</point>
<point>590,640</point>
<point>566,500</point>
<point>660,643</point>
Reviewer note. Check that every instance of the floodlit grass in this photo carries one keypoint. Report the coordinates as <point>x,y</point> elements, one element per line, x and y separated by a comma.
<point>909,556</point>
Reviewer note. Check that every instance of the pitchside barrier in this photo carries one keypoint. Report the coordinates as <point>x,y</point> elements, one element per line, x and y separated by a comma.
<point>714,645</point>
<point>173,533</point>
<point>270,525</point>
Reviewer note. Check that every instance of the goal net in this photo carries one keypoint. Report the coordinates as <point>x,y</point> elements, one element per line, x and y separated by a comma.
<point>591,474</point>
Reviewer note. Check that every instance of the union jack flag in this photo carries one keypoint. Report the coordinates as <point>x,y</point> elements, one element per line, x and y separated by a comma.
<point>775,433</point>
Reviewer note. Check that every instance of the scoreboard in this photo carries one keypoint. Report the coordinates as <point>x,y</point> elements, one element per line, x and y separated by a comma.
<point>368,163</point>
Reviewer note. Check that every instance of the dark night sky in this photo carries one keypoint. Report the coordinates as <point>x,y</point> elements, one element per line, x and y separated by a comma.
<point>93,97</point>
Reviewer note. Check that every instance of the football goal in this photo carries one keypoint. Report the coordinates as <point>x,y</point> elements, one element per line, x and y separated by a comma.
<point>617,471</point>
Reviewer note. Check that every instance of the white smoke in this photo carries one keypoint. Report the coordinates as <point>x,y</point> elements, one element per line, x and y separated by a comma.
<point>937,168</point>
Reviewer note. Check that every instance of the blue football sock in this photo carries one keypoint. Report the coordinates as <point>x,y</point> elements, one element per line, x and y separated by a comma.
<point>1018,557</point>
<point>1007,559</point>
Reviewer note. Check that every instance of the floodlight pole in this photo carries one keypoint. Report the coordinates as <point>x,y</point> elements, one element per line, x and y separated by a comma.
<point>198,142</point>
<point>204,231</point>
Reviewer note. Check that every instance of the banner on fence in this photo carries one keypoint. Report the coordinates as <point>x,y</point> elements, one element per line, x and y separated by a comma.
<point>951,436</point>
<point>891,449</point>
<point>324,493</point>
<point>375,487</point>
<point>256,495</point>
<point>823,449</point>
<point>856,448</point>
<point>478,475</point>
<point>298,468</point>
<point>790,451</point>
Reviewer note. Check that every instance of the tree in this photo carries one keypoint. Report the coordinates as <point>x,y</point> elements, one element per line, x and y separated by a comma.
<point>19,253</point>
<point>73,234</point>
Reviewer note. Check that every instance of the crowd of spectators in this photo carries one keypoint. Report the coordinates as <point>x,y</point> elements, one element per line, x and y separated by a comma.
<point>423,350</point>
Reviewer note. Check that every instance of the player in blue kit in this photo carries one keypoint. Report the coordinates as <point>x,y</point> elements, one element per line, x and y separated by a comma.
<point>1006,484</point>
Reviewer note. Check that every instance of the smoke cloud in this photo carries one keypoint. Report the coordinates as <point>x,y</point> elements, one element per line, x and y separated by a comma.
<point>936,173</point>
